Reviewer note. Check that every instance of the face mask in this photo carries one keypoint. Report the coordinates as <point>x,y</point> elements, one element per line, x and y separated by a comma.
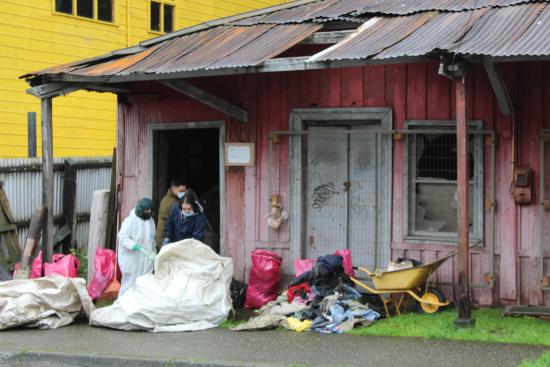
<point>188,214</point>
<point>181,195</point>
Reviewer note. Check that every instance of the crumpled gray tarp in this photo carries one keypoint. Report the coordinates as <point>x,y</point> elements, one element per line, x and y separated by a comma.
<point>45,303</point>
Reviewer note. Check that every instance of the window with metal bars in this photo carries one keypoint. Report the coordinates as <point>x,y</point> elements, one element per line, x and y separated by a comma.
<point>431,181</point>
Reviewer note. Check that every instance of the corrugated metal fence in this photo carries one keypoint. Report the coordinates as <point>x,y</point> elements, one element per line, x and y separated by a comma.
<point>23,186</point>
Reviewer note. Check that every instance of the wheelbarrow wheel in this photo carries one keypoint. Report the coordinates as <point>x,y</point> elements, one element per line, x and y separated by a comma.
<point>430,295</point>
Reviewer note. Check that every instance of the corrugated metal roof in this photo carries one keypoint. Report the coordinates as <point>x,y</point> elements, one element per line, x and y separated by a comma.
<point>215,48</point>
<point>334,9</point>
<point>500,32</point>
<point>392,29</point>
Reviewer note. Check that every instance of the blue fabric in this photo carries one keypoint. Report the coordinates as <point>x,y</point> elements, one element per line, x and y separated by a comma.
<point>179,227</point>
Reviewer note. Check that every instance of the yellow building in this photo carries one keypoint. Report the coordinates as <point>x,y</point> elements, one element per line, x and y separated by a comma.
<point>36,34</point>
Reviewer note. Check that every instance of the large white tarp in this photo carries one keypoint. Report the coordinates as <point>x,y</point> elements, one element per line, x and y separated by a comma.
<point>45,303</point>
<point>188,291</point>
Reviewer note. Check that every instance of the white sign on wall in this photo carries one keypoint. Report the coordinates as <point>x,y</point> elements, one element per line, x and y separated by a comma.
<point>239,154</point>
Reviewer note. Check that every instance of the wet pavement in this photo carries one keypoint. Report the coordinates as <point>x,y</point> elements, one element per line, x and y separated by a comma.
<point>80,345</point>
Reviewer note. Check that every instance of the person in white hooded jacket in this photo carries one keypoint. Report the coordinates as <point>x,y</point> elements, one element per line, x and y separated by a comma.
<point>136,234</point>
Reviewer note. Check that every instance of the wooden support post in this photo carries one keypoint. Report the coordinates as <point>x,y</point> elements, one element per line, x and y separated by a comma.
<point>69,203</point>
<point>463,217</point>
<point>98,227</point>
<point>31,134</point>
<point>47,179</point>
<point>110,234</point>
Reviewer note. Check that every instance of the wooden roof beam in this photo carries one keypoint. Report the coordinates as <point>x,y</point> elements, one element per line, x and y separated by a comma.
<point>327,38</point>
<point>208,99</point>
<point>51,90</point>
<point>499,88</point>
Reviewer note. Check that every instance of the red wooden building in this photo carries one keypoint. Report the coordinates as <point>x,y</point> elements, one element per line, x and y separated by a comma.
<point>351,107</point>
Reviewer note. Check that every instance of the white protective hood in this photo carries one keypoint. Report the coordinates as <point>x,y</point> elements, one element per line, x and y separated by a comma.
<point>188,291</point>
<point>45,303</point>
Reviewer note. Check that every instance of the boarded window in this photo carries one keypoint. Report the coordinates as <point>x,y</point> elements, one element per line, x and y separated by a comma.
<point>85,8</point>
<point>168,18</point>
<point>432,183</point>
<point>64,6</point>
<point>155,16</point>
<point>105,10</point>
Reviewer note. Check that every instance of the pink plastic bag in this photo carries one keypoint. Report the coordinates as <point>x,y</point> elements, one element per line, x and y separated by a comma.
<point>64,265</point>
<point>104,272</point>
<point>348,265</point>
<point>302,265</point>
<point>265,276</point>
<point>36,268</point>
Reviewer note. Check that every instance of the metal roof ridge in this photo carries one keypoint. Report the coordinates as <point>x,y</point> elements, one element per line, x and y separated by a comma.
<point>225,20</point>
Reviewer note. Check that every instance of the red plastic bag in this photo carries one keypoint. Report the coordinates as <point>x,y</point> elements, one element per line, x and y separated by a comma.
<point>302,265</point>
<point>64,265</point>
<point>36,268</point>
<point>348,265</point>
<point>104,272</point>
<point>265,276</point>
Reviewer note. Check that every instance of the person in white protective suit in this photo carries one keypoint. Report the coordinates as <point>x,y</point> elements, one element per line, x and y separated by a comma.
<point>136,237</point>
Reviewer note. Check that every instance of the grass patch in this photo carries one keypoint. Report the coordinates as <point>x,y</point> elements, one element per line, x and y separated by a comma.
<point>228,324</point>
<point>490,327</point>
<point>543,361</point>
<point>104,303</point>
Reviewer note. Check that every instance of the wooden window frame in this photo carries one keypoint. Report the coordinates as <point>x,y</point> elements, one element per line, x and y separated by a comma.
<point>415,236</point>
<point>95,18</point>
<point>162,3</point>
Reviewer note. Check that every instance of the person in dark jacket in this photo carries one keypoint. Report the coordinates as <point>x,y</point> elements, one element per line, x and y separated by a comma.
<point>175,193</point>
<point>186,220</point>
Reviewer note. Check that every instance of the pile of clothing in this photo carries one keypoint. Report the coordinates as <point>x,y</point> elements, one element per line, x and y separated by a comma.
<point>322,300</point>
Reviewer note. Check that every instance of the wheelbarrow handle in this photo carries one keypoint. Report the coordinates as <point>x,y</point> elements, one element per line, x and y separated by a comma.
<point>365,270</point>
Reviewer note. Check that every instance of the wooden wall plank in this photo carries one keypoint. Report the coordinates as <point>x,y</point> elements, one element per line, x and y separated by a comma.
<point>352,87</point>
<point>416,91</point>
<point>438,94</point>
<point>375,86</point>
<point>331,94</point>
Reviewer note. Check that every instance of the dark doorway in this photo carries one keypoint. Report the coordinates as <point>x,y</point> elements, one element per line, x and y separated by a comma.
<point>193,156</point>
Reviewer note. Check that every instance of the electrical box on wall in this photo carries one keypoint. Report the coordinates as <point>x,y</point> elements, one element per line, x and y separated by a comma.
<point>522,186</point>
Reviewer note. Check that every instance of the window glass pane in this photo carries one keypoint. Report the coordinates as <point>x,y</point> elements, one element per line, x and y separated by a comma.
<point>435,204</point>
<point>155,16</point>
<point>64,6</point>
<point>436,207</point>
<point>168,18</point>
<point>85,8</point>
<point>105,10</point>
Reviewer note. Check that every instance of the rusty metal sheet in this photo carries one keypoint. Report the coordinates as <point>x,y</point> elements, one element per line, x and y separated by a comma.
<point>374,36</point>
<point>500,29</point>
<point>536,40</point>
<point>116,66</point>
<point>440,33</point>
<point>268,45</point>
<point>404,7</point>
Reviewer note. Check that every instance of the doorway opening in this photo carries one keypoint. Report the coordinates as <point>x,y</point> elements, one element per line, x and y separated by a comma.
<point>191,153</point>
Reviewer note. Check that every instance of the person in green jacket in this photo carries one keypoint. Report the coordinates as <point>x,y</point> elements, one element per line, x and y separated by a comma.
<point>175,193</point>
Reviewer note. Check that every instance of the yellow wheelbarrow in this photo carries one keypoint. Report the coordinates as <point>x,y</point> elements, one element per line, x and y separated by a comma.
<point>412,281</point>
